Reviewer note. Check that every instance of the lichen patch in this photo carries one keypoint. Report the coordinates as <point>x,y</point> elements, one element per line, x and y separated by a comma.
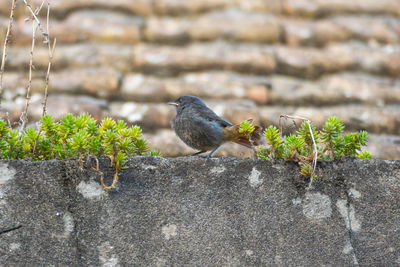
<point>254,178</point>
<point>91,190</point>
<point>6,173</point>
<point>169,230</point>
<point>317,206</point>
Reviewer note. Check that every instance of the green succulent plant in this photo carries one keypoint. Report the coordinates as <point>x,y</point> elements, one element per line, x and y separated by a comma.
<point>328,144</point>
<point>75,137</point>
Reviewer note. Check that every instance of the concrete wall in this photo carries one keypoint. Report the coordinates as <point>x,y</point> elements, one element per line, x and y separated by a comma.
<point>197,212</point>
<point>254,59</point>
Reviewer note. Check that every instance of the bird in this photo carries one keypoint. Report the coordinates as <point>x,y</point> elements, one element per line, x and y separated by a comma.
<point>200,128</point>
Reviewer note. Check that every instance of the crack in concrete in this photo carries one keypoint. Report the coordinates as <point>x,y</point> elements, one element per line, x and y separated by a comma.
<point>350,230</point>
<point>67,183</point>
<point>10,229</point>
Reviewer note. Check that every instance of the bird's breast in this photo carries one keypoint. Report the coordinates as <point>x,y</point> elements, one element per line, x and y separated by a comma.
<point>197,131</point>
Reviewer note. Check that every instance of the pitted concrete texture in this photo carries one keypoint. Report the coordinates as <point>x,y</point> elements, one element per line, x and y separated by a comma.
<point>197,212</point>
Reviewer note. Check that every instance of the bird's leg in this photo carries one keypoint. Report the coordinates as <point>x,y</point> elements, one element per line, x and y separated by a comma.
<point>212,151</point>
<point>197,153</point>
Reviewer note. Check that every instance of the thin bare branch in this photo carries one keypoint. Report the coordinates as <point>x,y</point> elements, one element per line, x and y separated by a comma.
<point>37,10</point>
<point>6,41</point>
<point>51,53</point>
<point>24,115</point>
<point>34,15</point>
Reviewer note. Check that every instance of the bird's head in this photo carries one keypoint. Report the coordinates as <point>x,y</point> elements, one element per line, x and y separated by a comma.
<point>185,101</point>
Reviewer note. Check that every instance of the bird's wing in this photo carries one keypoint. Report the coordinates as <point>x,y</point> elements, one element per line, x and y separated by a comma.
<point>210,115</point>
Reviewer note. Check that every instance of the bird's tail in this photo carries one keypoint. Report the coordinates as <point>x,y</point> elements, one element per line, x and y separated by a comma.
<point>231,133</point>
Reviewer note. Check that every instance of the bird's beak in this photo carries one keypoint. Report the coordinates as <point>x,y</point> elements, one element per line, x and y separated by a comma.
<point>173,103</point>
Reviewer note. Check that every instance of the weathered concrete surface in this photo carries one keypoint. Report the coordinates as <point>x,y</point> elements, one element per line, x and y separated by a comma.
<point>197,212</point>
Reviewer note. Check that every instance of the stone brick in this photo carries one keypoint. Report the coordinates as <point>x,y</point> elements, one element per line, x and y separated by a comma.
<point>374,119</point>
<point>166,141</point>
<point>18,58</point>
<point>384,146</point>
<point>217,85</point>
<point>292,91</point>
<point>361,88</point>
<point>167,30</point>
<point>98,26</point>
<point>229,24</point>
<point>15,84</point>
<point>150,116</point>
<point>222,85</point>
<point>304,32</point>
<point>312,62</point>
<point>381,29</point>
<point>102,82</point>
<point>5,7</point>
<point>334,89</point>
<point>61,8</point>
<point>60,104</point>
<point>327,31</point>
<point>237,26</point>
<point>142,88</point>
<point>235,111</point>
<point>84,26</point>
<point>178,7</point>
<point>78,55</point>
<point>13,107</point>
<point>267,6</point>
<point>297,32</point>
<point>11,115</point>
<point>314,8</point>
<point>3,27</point>
<point>374,58</point>
<point>199,56</point>
<point>269,115</point>
<point>357,117</point>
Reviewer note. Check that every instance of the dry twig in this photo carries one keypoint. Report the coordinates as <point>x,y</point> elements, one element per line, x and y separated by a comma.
<point>24,115</point>
<point>8,119</point>
<point>115,178</point>
<point>51,53</point>
<point>6,41</point>
<point>34,15</point>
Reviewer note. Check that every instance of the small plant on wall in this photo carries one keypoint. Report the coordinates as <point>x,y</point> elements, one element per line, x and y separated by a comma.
<point>75,137</point>
<point>308,145</point>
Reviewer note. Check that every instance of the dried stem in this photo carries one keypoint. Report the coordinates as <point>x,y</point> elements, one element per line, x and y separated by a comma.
<point>315,155</point>
<point>315,151</point>
<point>34,15</point>
<point>6,41</point>
<point>24,115</point>
<point>114,182</point>
<point>37,138</point>
<point>51,53</point>
<point>115,178</point>
<point>8,119</point>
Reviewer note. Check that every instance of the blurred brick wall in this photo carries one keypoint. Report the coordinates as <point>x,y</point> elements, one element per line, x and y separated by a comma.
<point>248,59</point>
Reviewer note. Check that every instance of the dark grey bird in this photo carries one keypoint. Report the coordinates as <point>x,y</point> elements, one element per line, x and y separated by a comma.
<point>200,128</point>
